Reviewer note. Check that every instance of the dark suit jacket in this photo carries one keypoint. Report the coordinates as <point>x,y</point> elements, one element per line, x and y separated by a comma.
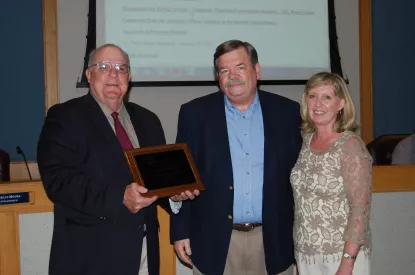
<point>85,174</point>
<point>207,220</point>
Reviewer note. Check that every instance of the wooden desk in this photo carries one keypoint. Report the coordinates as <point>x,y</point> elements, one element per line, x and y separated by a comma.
<point>393,178</point>
<point>385,179</point>
<point>38,203</point>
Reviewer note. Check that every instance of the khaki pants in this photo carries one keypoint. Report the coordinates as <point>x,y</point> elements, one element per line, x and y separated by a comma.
<point>143,263</point>
<point>246,255</point>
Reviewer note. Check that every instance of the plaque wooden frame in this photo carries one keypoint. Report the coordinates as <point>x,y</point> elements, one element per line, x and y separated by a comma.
<point>167,191</point>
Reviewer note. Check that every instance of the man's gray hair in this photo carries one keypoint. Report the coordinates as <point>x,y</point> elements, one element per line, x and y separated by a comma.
<point>92,54</point>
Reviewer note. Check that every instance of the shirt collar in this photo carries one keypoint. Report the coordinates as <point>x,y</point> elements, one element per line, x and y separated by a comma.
<point>232,109</point>
<point>122,111</point>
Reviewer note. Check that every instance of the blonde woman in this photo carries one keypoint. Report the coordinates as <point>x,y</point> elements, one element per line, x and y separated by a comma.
<point>332,184</point>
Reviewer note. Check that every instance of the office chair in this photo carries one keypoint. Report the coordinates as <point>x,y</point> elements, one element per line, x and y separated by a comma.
<point>382,148</point>
<point>4,166</point>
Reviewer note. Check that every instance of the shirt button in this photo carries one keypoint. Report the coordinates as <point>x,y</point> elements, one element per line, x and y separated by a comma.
<point>230,187</point>
<point>244,117</point>
<point>247,193</point>
<point>247,212</point>
<point>247,154</point>
<point>247,173</point>
<point>230,217</point>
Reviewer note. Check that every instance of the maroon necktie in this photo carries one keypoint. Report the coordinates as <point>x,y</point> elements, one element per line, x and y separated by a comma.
<point>121,133</point>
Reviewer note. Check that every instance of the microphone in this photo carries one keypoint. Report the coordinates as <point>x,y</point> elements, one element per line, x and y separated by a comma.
<point>19,150</point>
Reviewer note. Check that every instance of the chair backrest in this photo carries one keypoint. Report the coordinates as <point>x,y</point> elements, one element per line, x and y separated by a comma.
<point>382,148</point>
<point>4,166</point>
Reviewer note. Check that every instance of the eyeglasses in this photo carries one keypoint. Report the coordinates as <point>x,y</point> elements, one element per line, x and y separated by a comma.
<point>107,67</point>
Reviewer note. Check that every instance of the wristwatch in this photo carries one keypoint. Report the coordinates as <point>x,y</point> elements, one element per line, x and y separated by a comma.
<point>348,256</point>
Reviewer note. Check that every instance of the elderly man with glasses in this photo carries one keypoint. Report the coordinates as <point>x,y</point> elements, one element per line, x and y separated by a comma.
<point>103,223</point>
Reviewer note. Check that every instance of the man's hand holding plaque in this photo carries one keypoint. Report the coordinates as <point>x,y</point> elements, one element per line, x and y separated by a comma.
<point>134,199</point>
<point>165,171</point>
<point>187,195</point>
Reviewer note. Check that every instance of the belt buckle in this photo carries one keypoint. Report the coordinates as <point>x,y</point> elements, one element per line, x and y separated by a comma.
<point>244,227</point>
<point>249,226</point>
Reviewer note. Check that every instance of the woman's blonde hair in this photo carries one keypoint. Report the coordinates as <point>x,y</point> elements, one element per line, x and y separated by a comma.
<point>345,117</point>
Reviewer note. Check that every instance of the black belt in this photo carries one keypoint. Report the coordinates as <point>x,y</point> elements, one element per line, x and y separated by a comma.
<point>245,227</point>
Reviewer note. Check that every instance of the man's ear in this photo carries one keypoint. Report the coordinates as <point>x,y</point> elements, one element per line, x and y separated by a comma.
<point>258,71</point>
<point>88,75</point>
<point>216,75</point>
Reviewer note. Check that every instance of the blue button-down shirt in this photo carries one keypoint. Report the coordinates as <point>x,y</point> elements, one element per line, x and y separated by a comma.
<point>246,141</point>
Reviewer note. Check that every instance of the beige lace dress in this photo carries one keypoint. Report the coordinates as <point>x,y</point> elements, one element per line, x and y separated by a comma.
<point>332,194</point>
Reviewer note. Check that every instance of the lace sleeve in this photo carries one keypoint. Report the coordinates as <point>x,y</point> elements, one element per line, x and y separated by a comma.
<point>356,165</point>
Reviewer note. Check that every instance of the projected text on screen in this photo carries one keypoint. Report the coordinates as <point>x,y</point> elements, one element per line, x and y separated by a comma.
<point>174,40</point>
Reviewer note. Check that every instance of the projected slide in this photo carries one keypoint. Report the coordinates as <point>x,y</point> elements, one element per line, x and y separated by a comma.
<point>174,40</point>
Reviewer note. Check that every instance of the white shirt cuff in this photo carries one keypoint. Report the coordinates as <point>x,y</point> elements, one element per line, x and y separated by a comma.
<point>175,206</point>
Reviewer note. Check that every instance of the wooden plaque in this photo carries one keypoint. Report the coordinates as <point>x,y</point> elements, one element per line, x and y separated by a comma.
<point>165,170</point>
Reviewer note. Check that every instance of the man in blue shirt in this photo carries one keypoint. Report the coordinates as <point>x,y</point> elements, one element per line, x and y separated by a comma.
<point>245,142</point>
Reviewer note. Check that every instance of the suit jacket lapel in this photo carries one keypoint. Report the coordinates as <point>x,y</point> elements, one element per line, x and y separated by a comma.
<point>218,134</point>
<point>139,127</point>
<point>100,123</point>
<point>103,133</point>
<point>104,127</point>
<point>272,152</point>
